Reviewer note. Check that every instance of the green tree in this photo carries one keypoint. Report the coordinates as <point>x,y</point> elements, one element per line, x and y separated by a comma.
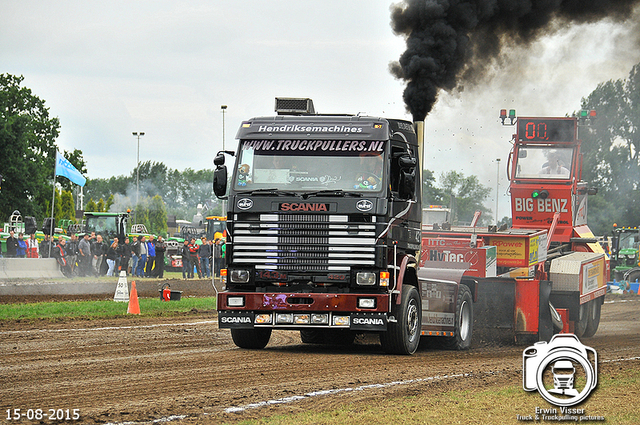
<point>100,205</point>
<point>468,196</point>
<point>57,208</point>
<point>27,147</point>
<point>157,216</point>
<point>142,214</point>
<point>67,207</point>
<point>611,148</point>
<point>91,206</point>
<point>109,203</point>
<point>431,195</point>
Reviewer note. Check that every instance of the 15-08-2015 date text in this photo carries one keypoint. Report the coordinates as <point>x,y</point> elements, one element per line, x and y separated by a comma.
<point>43,414</point>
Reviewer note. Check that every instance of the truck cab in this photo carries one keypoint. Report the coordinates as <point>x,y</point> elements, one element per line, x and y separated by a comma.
<point>323,216</point>
<point>546,178</point>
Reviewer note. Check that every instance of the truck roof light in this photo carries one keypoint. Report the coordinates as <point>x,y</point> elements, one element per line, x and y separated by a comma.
<point>511,117</point>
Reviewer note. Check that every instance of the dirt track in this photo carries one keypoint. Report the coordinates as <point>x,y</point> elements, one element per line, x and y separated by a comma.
<point>137,369</point>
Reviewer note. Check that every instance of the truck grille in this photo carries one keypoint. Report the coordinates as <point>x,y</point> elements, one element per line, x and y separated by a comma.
<point>303,242</point>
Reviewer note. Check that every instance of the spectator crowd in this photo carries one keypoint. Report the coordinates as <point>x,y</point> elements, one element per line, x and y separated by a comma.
<point>89,255</point>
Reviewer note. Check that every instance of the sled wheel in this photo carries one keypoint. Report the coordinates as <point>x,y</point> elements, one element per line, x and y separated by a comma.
<point>593,321</point>
<point>461,340</point>
<point>583,319</point>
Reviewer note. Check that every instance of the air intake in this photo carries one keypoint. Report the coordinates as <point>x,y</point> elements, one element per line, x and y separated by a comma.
<point>294,106</point>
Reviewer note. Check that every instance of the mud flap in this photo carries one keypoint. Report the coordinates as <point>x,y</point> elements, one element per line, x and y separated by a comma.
<point>500,313</point>
<point>235,319</point>
<point>493,311</point>
<point>545,322</point>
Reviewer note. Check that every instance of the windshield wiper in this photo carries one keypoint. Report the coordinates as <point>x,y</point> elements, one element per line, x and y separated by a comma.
<point>335,192</point>
<point>273,191</point>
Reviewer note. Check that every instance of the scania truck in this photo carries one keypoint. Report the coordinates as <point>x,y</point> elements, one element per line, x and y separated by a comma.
<point>323,229</point>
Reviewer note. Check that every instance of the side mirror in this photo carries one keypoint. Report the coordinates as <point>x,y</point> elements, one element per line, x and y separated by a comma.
<point>220,180</point>
<point>219,159</point>
<point>407,183</point>
<point>405,161</point>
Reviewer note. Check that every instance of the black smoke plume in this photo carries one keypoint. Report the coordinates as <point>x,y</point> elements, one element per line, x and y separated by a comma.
<point>452,42</point>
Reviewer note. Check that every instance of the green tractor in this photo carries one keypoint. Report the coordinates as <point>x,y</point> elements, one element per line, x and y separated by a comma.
<point>624,254</point>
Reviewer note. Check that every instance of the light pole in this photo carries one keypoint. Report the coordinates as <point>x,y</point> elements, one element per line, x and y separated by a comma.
<point>135,209</point>
<point>497,187</point>
<point>223,109</point>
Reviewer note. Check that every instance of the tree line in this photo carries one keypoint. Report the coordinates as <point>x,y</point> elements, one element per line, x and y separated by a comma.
<point>611,147</point>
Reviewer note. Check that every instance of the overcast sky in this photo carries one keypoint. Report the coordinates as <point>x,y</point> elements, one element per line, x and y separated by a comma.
<point>109,68</point>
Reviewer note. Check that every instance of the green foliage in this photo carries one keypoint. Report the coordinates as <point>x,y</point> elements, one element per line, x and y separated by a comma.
<point>141,214</point>
<point>468,196</point>
<point>91,206</point>
<point>109,203</point>
<point>57,208</point>
<point>158,216</point>
<point>611,147</point>
<point>67,207</point>
<point>181,191</point>
<point>431,195</point>
<point>27,136</point>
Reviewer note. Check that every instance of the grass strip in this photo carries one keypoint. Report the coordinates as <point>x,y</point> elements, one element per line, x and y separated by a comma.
<point>149,307</point>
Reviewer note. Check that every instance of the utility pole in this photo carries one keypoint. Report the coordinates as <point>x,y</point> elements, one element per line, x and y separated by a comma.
<point>223,109</point>
<point>135,209</point>
<point>497,187</point>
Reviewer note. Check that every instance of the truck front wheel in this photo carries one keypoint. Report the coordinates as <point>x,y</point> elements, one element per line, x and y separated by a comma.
<point>256,338</point>
<point>403,336</point>
<point>461,340</point>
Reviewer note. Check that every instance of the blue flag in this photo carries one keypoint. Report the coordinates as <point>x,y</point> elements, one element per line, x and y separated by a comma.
<point>66,169</point>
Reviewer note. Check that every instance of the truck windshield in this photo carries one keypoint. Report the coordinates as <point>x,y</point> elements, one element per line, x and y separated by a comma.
<point>304,165</point>
<point>536,162</point>
<point>628,241</point>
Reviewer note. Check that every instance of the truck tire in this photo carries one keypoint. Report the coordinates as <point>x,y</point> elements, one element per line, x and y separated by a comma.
<point>593,320</point>
<point>583,319</point>
<point>461,340</point>
<point>256,338</point>
<point>403,336</point>
<point>312,336</point>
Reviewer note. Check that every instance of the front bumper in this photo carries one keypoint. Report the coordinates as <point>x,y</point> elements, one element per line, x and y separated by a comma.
<point>303,311</point>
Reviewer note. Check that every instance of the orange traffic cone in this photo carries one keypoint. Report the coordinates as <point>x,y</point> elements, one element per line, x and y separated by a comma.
<point>134,306</point>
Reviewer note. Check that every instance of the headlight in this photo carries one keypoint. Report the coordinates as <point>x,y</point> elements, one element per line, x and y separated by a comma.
<point>366,278</point>
<point>366,303</point>
<point>284,318</point>
<point>239,276</point>
<point>235,301</point>
<point>263,319</point>
<point>341,320</point>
